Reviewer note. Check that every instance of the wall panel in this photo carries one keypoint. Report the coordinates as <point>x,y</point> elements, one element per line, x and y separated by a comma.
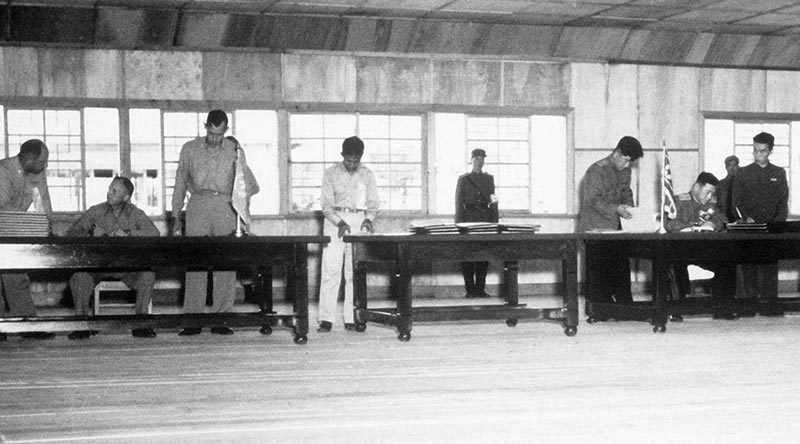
<point>466,82</point>
<point>20,72</point>
<point>543,85</point>
<point>319,78</point>
<point>622,106</point>
<point>393,80</point>
<point>782,94</point>
<point>103,74</point>
<point>241,76</point>
<point>669,100</point>
<point>163,75</point>
<point>588,98</point>
<point>735,90</point>
<point>62,72</point>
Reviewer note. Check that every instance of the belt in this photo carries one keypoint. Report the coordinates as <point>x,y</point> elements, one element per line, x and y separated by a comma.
<point>348,210</point>
<point>207,193</point>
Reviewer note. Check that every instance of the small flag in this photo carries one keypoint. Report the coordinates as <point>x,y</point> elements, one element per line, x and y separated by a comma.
<point>666,186</point>
<point>239,193</point>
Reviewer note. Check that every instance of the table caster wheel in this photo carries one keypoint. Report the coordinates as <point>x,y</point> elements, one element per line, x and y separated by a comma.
<point>404,337</point>
<point>659,328</point>
<point>571,331</point>
<point>511,322</point>
<point>300,339</point>
<point>361,327</point>
<point>266,330</point>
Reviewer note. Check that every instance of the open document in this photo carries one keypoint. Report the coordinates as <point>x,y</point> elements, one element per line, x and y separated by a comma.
<point>643,221</point>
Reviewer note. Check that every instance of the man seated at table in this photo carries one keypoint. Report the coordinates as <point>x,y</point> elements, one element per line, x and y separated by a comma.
<point>116,217</point>
<point>697,211</point>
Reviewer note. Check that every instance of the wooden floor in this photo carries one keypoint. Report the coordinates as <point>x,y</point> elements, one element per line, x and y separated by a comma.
<point>702,381</point>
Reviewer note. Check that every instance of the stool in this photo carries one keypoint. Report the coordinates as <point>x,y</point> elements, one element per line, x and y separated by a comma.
<point>120,289</point>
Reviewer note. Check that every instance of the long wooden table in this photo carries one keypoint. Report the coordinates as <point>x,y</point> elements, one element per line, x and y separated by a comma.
<point>666,249</point>
<point>259,254</point>
<point>405,251</point>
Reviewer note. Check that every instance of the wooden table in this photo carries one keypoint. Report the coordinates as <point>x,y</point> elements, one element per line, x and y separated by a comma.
<point>258,254</point>
<point>405,250</point>
<point>665,249</point>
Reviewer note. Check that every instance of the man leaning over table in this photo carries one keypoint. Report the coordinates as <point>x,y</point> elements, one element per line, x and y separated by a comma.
<point>116,217</point>
<point>23,184</point>
<point>606,196</point>
<point>349,199</point>
<point>696,210</point>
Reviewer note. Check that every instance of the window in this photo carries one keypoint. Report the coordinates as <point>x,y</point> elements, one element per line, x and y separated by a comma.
<point>393,151</point>
<point>84,150</point>
<point>724,137</point>
<point>526,155</point>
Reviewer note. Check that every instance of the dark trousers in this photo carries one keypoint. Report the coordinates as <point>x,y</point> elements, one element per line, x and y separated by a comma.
<point>474,276</point>
<point>723,284</point>
<point>610,281</point>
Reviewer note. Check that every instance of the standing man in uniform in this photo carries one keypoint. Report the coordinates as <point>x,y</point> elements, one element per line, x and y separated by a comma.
<point>23,183</point>
<point>725,189</point>
<point>761,194</point>
<point>605,197</point>
<point>696,210</point>
<point>206,171</point>
<point>116,217</point>
<point>349,199</point>
<point>476,202</point>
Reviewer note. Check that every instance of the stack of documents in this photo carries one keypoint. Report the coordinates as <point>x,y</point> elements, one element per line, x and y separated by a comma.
<point>744,226</point>
<point>434,228</point>
<point>478,227</point>
<point>17,223</point>
<point>519,228</point>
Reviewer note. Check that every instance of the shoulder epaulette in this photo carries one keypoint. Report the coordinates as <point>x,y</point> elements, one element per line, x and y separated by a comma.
<point>684,196</point>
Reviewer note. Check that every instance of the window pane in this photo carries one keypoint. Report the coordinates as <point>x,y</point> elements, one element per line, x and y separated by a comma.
<point>512,176</point>
<point>512,129</point>
<point>101,136</point>
<point>406,127</point>
<point>146,167</point>
<point>512,198</point>
<point>307,150</point>
<point>305,125</point>
<point>407,198</point>
<point>406,151</point>
<point>373,127</point>
<point>257,132</point>
<point>376,151</point>
<point>513,152</point>
<point>2,125</point>
<point>339,126</point>
<point>26,124</point>
<point>482,128</point>
<point>449,148</point>
<point>182,124</point>
<point>305,199</point>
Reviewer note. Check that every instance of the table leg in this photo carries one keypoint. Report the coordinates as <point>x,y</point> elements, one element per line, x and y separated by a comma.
<point>569,278</point>
<point>511,287</point>
<point>298,280</point>
<point>262,286</point>
<point>660,290</point>
<point>403,295</point>
<point>359,293</point>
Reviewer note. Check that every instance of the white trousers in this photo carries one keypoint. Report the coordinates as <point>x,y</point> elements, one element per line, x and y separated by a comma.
<point>335,255</point>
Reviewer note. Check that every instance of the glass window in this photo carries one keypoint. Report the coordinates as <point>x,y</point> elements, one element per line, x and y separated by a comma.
<point>101,141</point>
<point>393,151</point>
<point>257,133</point>
<point>147,170</point>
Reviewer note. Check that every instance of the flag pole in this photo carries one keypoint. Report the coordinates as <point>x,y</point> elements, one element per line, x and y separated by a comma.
<point>661,229</point>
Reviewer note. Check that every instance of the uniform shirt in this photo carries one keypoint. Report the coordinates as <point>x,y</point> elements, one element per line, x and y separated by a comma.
<point>17,188</point>
<point>473,204</point>
<point>761,193</point>
<point>102,215</point>
<point>724,197</point>
<point>357,190</point>
<point>202,168</point>
<point>691,213</point>
<point>604,189</point>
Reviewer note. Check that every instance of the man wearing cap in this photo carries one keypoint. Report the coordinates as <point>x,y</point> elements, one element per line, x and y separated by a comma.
<point>349,199</point>
<point>206,171</point>
<point>476,202</point>
<point>696,210</point>
<point>761,194</point>
<point>725,189</point>
<point>605,197</point>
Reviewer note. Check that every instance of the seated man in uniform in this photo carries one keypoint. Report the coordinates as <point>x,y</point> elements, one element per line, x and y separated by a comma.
<point>117,216</point>
<point>696,210</point>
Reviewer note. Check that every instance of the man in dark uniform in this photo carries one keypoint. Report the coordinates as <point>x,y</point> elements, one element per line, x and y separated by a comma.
<point>725,188</point>
<point>696,210</point>
<point>476,202</point>
<point>761,194</point>
<point>606,196</point>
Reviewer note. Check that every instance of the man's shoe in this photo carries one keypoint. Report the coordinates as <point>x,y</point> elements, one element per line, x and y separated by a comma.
<point>221,330</point>
<point>747,314</point>
<point>80,334</point>
<point>3,337</point>
<point>725,316</point>
<point>143,333</point>
<point>675,318</point>
<point>484,294</point>
<point>190,331</point>
<point>349,327</point>
<point>38,335</point>
<point>324,327</point>
<point>772,313</point>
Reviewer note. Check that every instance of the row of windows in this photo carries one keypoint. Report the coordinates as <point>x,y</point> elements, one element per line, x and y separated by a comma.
<point>412,172</point>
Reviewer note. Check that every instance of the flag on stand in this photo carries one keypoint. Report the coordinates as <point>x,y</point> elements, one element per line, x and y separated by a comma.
<point>239,194</point>
<point>668,195</point>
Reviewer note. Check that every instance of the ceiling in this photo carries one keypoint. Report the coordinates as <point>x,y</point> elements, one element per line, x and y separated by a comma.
<point>761,17</point>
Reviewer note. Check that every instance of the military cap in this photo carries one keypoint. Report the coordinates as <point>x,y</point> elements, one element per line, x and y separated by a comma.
<point>478,152</point>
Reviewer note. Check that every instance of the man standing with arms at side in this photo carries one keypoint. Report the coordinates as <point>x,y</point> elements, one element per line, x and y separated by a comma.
<point>206,170</point>
<point>22,180</point>
<point>476,202</point>
<point>605,197</point>
<point>761,194</point>
<point>349,199</point>
<point>725,188</point>
<point>116,217</point>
